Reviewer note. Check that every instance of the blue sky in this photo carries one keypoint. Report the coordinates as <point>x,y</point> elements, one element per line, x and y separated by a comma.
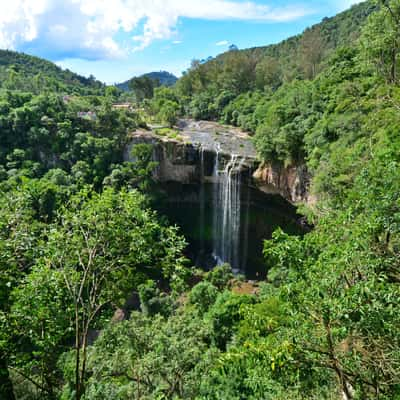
<point>117,39</point>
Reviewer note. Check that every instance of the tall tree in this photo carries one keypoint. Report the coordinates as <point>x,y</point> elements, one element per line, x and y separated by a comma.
<point>311,51</point>
<point>268,73</point>
<point>381,39</point>
<point>99,249</point>
<point>143,87</point>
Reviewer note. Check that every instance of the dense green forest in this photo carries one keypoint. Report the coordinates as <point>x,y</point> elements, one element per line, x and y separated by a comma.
<point>78,234</point>
<point>23,72</point>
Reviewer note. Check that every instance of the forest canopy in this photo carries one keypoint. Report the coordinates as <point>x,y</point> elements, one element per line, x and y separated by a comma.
<point>79,238</point>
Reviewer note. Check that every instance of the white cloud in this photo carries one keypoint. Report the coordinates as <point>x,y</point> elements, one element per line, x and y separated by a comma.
<point>222,43</point>
<point>177,42</point>
<point>87,28</point>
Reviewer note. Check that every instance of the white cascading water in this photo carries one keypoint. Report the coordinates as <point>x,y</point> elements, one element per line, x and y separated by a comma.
<point>202,201</point>
<point>245,229</point>
<point>216,208</point>
<point>226,211</point>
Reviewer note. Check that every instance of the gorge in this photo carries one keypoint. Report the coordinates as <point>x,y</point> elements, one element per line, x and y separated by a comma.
<point>226,203</point>
<point>148,253</point>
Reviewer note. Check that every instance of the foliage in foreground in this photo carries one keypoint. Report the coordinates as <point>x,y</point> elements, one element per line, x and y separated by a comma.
<point>325,325</point>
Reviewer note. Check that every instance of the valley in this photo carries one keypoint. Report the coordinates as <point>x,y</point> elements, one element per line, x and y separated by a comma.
<point>229,233</point>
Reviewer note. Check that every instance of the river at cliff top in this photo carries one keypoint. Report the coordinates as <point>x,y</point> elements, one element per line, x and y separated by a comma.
<point>205,187</point>
<point>211,136</point>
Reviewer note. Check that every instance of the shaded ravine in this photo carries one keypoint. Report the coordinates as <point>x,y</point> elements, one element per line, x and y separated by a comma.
<point>206,186</point>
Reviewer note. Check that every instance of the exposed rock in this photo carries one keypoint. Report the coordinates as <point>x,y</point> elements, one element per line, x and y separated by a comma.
<point>178,161</point>
<point>290,182</point>
<point>180,155</point>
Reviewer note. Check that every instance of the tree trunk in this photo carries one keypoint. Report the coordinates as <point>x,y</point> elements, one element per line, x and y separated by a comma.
<point>393,66</point>
<point>84,356</point>
<point>78,393</point>
<point>6,386</point>
<point>343,381</point>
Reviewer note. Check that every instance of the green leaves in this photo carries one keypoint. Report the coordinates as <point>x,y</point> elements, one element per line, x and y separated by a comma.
<point>150,358</point>
<point>97,249</point>
<point>381,40</point>
<point>337,283</point>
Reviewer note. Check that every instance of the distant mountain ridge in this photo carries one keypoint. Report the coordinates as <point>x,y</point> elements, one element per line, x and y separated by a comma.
<point>164,77</point>
<point>30,73</point>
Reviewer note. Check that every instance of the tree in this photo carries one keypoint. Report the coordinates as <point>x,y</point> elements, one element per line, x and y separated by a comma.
<point>150,358</point>
<point>268,73</point>
<point>43,325</point>
<point>111,92</point>
<point>311,51</point>
<point>381,39</point>
<point>238,73</point>
<point>341,292</point>
<point>143,87</point>
<point>137,173</point>
<point>169,113</point>
<point>20,244</point>
<point>97,252</point>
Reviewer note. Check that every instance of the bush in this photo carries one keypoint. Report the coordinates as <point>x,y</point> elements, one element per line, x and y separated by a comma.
<point>225,316</point>
<point>220,276</point>
<point>153,301</point>
<point>203,295</point>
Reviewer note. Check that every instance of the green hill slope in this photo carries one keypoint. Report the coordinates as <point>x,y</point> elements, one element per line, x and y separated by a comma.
<point>299,57</point>
<point>24,72</point>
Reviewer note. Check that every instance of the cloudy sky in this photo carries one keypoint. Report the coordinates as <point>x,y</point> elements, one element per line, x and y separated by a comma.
<point>116,39</point>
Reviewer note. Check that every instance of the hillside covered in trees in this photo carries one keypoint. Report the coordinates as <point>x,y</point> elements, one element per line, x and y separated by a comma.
<point>28,73</point>
<point>163,78</point>
<point>78,234</point>
<point>213,84</point>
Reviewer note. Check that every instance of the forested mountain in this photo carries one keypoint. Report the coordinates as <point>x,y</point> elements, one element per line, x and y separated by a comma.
<point>78,236</point>
<point>219,80</point>
<point>30,73</point>
<point>163,78</point>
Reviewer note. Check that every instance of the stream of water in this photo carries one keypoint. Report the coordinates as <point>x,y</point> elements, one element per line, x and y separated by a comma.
<point>227,211</point>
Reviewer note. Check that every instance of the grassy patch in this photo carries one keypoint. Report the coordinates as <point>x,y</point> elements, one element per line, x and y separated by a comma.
<point>168,132</point>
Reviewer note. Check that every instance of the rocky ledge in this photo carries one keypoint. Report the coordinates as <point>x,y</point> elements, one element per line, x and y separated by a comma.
<point>187,155</point>
<point>291,182</point>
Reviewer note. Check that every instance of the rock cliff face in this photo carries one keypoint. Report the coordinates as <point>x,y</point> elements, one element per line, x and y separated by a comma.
<point>177,161</point>
<point>188,156</point>
<point>292,183</point>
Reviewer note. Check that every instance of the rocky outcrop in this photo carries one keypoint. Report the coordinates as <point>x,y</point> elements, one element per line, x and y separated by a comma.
<point>188,156</point>
<point>292,182</point>
<point>177,161</point>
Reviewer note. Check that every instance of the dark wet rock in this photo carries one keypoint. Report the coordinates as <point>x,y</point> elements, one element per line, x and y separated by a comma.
<point>211,184</point>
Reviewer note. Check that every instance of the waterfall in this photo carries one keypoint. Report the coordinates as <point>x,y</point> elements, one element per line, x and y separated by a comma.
<point>202,202</point>
<point>216,209</point>
<point>226,215</point>
<point>246,227</point>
